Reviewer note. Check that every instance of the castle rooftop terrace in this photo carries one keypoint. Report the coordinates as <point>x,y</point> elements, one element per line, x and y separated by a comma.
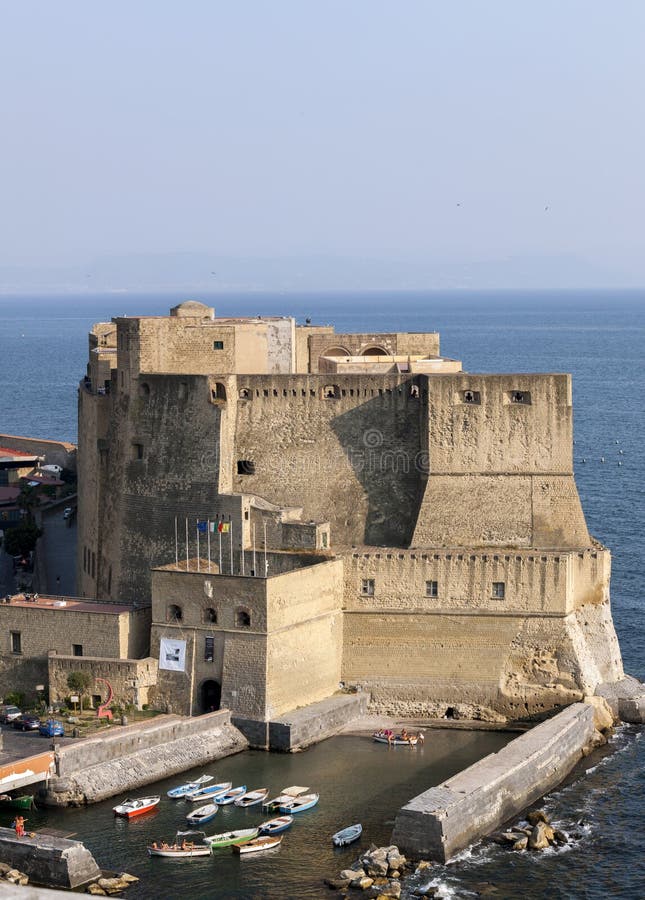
<point>64,604</point>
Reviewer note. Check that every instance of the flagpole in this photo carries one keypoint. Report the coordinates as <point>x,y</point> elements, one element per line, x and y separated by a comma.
<point>266,565</point>
<point>187,569</point>
<point>197,530</point>
<point>208,532</point>
<point>231,533</point>
<point>242,550</point>
<point>219,533</point>
<point>176,545</point>
<point>255,571</point>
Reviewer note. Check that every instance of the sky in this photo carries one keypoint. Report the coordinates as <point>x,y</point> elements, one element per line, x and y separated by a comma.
<point>288,142</point>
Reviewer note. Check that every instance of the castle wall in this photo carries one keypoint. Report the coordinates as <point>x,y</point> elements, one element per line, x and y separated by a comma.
<point>394,344</point>
<point>130,679</point>
<point>349,460</point>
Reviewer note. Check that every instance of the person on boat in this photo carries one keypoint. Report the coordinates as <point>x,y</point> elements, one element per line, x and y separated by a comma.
<point>404,735</point>
<point>20,826</point>
<point>421,737</point>
<point>154,845</point>
<point>164,845</point>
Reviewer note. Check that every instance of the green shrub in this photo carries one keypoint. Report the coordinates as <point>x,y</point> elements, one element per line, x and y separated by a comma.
<point>15,698</point>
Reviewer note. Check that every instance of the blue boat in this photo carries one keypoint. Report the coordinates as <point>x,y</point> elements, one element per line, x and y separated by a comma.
<point>299,804</point>
<point>229,796</point>
<point>203,814</point>
<point>275,826</point>
<point>189,787</point>
<point>347,835</point>
<point>208,794</point>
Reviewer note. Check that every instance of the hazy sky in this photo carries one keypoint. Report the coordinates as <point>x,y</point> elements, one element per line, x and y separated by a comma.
<point>405,131</point>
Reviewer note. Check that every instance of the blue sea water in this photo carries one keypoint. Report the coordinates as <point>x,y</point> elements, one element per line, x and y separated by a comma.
<point>599,338</point>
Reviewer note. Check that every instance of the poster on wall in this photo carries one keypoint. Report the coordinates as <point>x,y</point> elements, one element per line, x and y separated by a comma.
<point>172,655</point>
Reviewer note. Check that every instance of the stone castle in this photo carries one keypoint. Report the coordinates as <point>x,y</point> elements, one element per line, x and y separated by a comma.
<point>370,517</point>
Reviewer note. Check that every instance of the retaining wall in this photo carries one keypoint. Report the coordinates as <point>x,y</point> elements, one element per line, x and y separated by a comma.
<point>449,817</point>
<point>316,721</point>
<point>110,764</point>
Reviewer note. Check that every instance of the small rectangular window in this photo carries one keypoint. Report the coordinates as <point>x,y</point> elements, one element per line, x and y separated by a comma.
<point>209,649</point>
<point>137,451</point>
<point>499,590</point>
<point>432,588</point>
<point>77,649</point>
<point>367,587</point>
<point>218,345</point>
<point>245,467</point>
<point>16,642</point>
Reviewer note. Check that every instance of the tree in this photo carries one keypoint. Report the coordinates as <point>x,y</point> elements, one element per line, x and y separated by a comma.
<point>79,682</point>
<point>28,499</point>
<point>21,540</point>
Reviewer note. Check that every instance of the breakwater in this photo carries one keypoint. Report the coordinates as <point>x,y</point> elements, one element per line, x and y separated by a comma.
<point>136,755</point>
<point>49,860</point>
<point>447,818</point>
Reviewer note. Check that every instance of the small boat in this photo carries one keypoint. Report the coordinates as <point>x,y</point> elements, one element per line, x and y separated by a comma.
<point>202,815</point>
<point>251,798</point>
<point>187,844</point>
<point>208,793</point>
<point>286,795</point>
<point>275,826</point>
<point>189,787</point>
<point>130,808</point>
<point>257,845</point>
<point>347,835</point>
<point>26,801</point>
<point>395,740</point>
<point>230,838</point>
<point>299,804</point>
<point>230,796</point>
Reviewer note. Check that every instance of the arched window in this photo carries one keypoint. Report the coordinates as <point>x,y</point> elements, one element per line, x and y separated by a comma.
<point>374,351</point>
<point>243,618</point>
<point>218,392</point>
<point>331,392</point>
<point>175,613</point>
<point>210,616</point>
<point>245,393</point>
<point>336,351</point>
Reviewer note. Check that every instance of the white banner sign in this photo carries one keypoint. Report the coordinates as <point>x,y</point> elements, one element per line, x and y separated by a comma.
<point>172,655</point>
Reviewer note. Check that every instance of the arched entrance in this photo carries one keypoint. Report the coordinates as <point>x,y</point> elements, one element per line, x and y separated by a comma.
<point>374,351</point>
<point>211,694</point>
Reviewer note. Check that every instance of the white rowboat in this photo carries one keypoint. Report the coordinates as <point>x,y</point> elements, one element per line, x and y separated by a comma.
<point>258,845</point>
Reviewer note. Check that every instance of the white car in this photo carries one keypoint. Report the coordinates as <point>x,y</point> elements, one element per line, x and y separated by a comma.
<point>52,469</point>
<point>68,512</point>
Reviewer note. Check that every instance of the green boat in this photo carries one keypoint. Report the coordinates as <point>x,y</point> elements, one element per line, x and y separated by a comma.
<point>24,802</point>
<point>230,838</point>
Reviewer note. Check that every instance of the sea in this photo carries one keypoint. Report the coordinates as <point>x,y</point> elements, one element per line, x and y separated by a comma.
<point>599,337</point>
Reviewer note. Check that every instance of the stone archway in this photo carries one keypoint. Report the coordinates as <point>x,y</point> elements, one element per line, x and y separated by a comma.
<point>374,351</point>
<point>210,695</point>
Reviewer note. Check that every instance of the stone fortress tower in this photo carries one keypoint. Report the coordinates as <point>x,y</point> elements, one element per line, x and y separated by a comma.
<point>439,553</point>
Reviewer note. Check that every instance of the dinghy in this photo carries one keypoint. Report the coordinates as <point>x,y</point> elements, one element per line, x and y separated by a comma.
<point>286,795</point>
<point>347,835</point>
<point>251,798</point>
<point>229,796</point>
<point>202,815</point>
<point>299,804</point>
<point>230,838</point>
<point>257,845</point>
<point>187,844</point>
<point>275,826</point>
<point>395,741</point>
<point>130,808</point>
<point>205,795</point>
<point>189,787</point>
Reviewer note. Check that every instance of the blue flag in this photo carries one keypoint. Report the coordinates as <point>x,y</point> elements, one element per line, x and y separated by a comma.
<point>202,527</point>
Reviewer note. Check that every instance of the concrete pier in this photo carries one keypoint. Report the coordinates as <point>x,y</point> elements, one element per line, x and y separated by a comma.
<point>48,860</point>
<point>447,818</point>
<point>132,756</point>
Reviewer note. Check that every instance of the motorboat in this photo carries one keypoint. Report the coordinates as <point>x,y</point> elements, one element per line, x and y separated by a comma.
<point>190,787</point>
<point>299,804</point>
<point>230,796</point>
<point>275,826</point>
<point>251,798</point>
<point>230,838</point>
<point>136,807</point>
<point>187,844</point>
<point>347,835</point>
<point>257,845</point>
<point>381,737</point>
<point>285,796</point>
<point>202,815</point>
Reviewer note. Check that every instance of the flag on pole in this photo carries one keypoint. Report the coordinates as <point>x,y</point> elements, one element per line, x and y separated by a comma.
<point>202,527</point>
<point>224,527</point>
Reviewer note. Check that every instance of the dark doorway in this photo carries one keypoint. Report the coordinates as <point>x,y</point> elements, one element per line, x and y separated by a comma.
<point>211,695</point>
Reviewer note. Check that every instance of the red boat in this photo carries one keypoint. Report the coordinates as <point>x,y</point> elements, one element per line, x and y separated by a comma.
<point>130,808</point>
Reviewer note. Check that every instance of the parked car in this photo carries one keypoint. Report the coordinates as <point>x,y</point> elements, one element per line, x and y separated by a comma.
<point>26,722</point>
<point>68,512</point>
<point>51,728</point>
<point>52,469</point>
<point>9,713</point>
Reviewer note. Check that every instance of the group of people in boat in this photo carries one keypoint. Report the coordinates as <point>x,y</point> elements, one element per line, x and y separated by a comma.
<point>403,736</point>
<point>163,845</point>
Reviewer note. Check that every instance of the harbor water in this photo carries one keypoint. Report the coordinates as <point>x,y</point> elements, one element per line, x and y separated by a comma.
<point>599,338</point>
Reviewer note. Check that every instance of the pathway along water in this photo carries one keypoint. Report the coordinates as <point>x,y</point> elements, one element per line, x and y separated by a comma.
<point>358,781</point>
